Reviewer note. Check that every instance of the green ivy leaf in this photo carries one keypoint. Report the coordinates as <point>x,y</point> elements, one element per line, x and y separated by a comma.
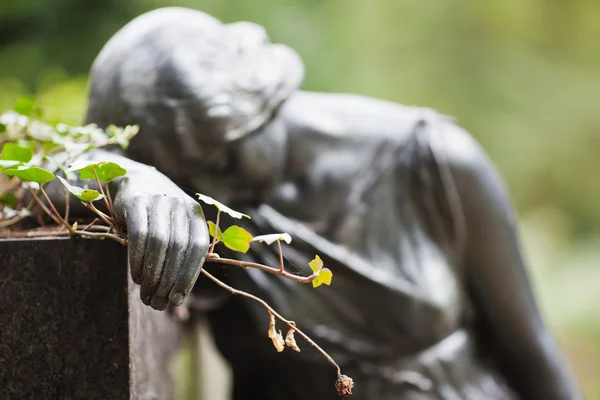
<point>25,106</point>
<point>106,170</point>
<point>323,277</point>
<point>81,193</point>
<point>237,238</point>
<point>5,164</point>
<point>221,207</point>
<point>268,239</point>
<point>15,152</point>
<point>31,174</point>
<point>316,264</point>
<point>9,199</point>
<point>212,228</point>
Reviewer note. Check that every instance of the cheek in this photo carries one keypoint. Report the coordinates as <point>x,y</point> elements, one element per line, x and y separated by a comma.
<point>261,159</point>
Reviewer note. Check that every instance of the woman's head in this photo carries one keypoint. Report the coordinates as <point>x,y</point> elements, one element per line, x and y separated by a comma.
<point>195,86</point>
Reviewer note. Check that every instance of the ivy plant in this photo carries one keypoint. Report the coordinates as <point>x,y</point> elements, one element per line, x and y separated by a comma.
<point>34,153</point>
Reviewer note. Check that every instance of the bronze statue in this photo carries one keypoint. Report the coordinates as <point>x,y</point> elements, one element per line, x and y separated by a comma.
<point>430,298</point>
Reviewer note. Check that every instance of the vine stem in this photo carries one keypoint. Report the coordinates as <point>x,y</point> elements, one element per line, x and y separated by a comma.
<point>214,241</point>
<point>11,221</point>
<point>274,271</point>
<point>99,235</point>
<point>57,214</point>
<point>43,206</point>
<point>103,194</point>
<point>281,271</point>
<point>290,324</point>
<point>104,217</point>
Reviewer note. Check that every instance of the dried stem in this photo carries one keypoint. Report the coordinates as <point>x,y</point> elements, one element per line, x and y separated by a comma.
<point>108,207</point>
<point>43,206</point>
<point>67,206</point>
<point>108,196</point>
<point>104,217</point>
<point>56,213</point>
<point>11,221</point>
<point>274,271</point>
<point>214,241</point>
<point>88,226</point>
<point>280,257</point>
<point>97,235</point>
<point>290,324</point>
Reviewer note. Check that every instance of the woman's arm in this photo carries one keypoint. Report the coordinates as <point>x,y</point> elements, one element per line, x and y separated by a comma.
<point>497,278</point>
<point>167,233</point>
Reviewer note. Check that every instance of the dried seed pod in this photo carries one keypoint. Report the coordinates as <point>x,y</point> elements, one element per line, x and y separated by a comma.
<point>290,341</point>
<point>344,385</point>
<point>275,336</point>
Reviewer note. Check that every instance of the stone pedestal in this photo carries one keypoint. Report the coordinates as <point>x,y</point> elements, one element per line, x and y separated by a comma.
<point>72,325</point>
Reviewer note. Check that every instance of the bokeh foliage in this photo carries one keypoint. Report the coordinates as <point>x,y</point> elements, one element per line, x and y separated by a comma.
<point>523,76</point>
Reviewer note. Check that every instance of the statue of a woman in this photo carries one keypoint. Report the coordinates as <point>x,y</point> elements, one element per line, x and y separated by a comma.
<point>430,298</point>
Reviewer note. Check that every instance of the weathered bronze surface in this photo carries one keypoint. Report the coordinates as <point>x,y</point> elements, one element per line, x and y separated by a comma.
<point>430,298</point>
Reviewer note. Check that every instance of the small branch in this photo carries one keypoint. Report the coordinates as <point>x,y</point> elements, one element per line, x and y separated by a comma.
<point>290,324</point>
<point>280,257</point>
<point>11,221</point>
<point>108,196</point>
<point>274,271</point>
<point>43,206</point>
<point>77,232</point>
<point>62,221</point>
<point>102,191</point>
<point>101,235</point>
<point>214,241</point>
<point>104,217</point>
<point>90,224</point>
<point>67,205</point>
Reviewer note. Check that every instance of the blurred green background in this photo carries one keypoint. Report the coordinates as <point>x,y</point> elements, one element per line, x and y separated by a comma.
<point>523,76</point>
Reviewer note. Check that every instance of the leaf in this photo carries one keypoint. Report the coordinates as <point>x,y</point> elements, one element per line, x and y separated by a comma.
<point>212,228</point>
<point>9,199</point>
<point>324,276</point>
<point>275,336</point>
<point>8,164</point>
<point>290,341</point>
<point>25,106</point>
<point>268,239</point>
<point>237,238</point>
<point>81,193</point>
<point>30,173</point>
<point>106,170</point>
<point>81,164</point>
<point>15,152</point>
<point>316,264</point>
<point>221,207</point>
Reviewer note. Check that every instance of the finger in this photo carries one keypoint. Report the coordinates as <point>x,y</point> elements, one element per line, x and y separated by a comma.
<point>137,233</point>
<point>159,219</point>
<point>199,241</point>
<point>175,254</point>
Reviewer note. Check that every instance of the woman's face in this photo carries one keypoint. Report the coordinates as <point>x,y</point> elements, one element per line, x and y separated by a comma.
<point>246,171</point>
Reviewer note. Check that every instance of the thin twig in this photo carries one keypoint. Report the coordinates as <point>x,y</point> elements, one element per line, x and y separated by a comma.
<point>11,221</point>
<point>98,235</point>
<point>67,206</point>
<point>214,241</point>
<point>280,257</point>
<point>108,196</point>
<point>101,235</point>
<point>104,217</point>
<point>62,221</point>
<point>274,271</point>
<point>90,224</point>
<point>43,206</point>
<point>290,324</point>
<point>102,191</point>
